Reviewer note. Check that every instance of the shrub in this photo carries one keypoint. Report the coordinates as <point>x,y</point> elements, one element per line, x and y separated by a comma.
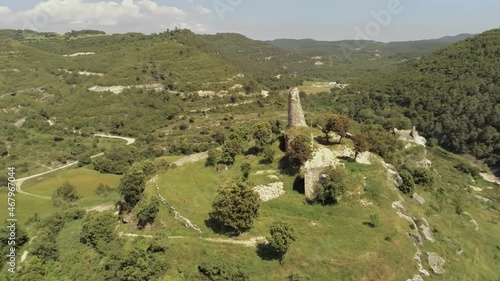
<point>223,270</point>
<point>98,229</point>
<point>131,187</point>
<point>245,169</point>
<point>374,220</point>
<point>66,192</point>
<point>214,157</point>
<point>103,189</point>
<point>262,135</point>
<point>281,237</point>
<point>45,247</point>
<point>468,169</point>
<point>423,176</point>
<point>331,187</point>
<point>268,155</point>
<point>299,151</point>
<point>228,214</point>
<point>408,183</point>
<point>74,214</point>
<point>84,160</point>
<point>148,211</point>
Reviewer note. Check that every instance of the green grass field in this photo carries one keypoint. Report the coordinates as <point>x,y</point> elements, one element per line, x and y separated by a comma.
<point>85,181</point>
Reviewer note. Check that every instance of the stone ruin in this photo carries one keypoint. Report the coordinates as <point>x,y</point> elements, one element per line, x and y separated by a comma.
<point>322,157</point>
<point>295,113</point>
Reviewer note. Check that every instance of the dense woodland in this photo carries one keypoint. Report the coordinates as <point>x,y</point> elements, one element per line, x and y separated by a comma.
<point>452,96</point>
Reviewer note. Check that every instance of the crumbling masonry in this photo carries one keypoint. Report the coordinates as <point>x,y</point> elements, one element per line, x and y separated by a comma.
<point>322,157</point>
<point>295,113</point>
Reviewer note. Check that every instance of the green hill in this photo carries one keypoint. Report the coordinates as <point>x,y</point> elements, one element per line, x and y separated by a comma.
<point>451,95</point>
<point>365,48</point>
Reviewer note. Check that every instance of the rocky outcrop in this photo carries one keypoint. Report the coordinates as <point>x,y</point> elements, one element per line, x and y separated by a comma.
<point>472,220</point>
<point>119,89</point>
<point>482,198</point>
<point>418,258</point>
<point>411,136</point>
<point>416,277</point>
<point>436,263</point>
<point>393,176</point>
<point>295,113</point>
<point>402,212</point>
<point>475,188</point>
<point>424,163</point>
<point>425,230</point>
<point>418,198</point>
<point>364,158</point>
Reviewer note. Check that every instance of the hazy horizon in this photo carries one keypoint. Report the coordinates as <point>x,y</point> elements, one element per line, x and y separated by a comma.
<point>380,20</point>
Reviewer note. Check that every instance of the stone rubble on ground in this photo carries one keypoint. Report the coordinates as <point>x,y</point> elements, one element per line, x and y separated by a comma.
<point>270,191</point>
<point>418,198</point>
<point>364,158</point>
<point>365,202</point>
<point>426,231</point>
<point>177,216</point>
<point>436,263</point>
<point>475,188</point>
<point>472,220</point>
<point>416,277</point>
<point>258,173</point>
<point>418,258</point>
<point>425,163</point>
<point>482,198</point>
<point>401,211</point>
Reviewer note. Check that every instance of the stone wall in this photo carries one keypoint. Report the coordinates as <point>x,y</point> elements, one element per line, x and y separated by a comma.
<point>295,112</point>
<point>311,178</point>
<point>322,159</point>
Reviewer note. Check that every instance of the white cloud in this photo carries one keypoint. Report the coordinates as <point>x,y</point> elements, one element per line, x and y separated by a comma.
<point>145,16</point>
<point>202,10</point>
<point>4,10</point>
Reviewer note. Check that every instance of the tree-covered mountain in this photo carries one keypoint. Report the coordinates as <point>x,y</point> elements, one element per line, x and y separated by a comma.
<point>452,95</point>
<point>267,64</point>
<point>365,48</point>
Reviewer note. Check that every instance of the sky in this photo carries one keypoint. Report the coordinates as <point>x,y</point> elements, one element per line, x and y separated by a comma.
<point>379,20</point>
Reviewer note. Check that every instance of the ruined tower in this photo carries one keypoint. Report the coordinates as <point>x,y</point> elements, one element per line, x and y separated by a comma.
<point>295,112</point>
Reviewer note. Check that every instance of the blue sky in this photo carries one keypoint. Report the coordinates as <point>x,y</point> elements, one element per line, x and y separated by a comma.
<point>259,19</point>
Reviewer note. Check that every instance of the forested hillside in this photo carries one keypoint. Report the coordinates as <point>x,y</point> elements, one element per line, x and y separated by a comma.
<point>365,48</point>
<point>267,64</point>
<point>452,95</point>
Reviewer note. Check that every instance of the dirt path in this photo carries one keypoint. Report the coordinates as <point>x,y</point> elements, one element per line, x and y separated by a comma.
<point>101,208</point>
<point>252,242</point>
<point>19,182</point>
<point>192,158</point>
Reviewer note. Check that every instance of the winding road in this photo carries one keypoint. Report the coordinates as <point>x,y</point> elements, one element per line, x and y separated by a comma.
<point>19,182</point>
